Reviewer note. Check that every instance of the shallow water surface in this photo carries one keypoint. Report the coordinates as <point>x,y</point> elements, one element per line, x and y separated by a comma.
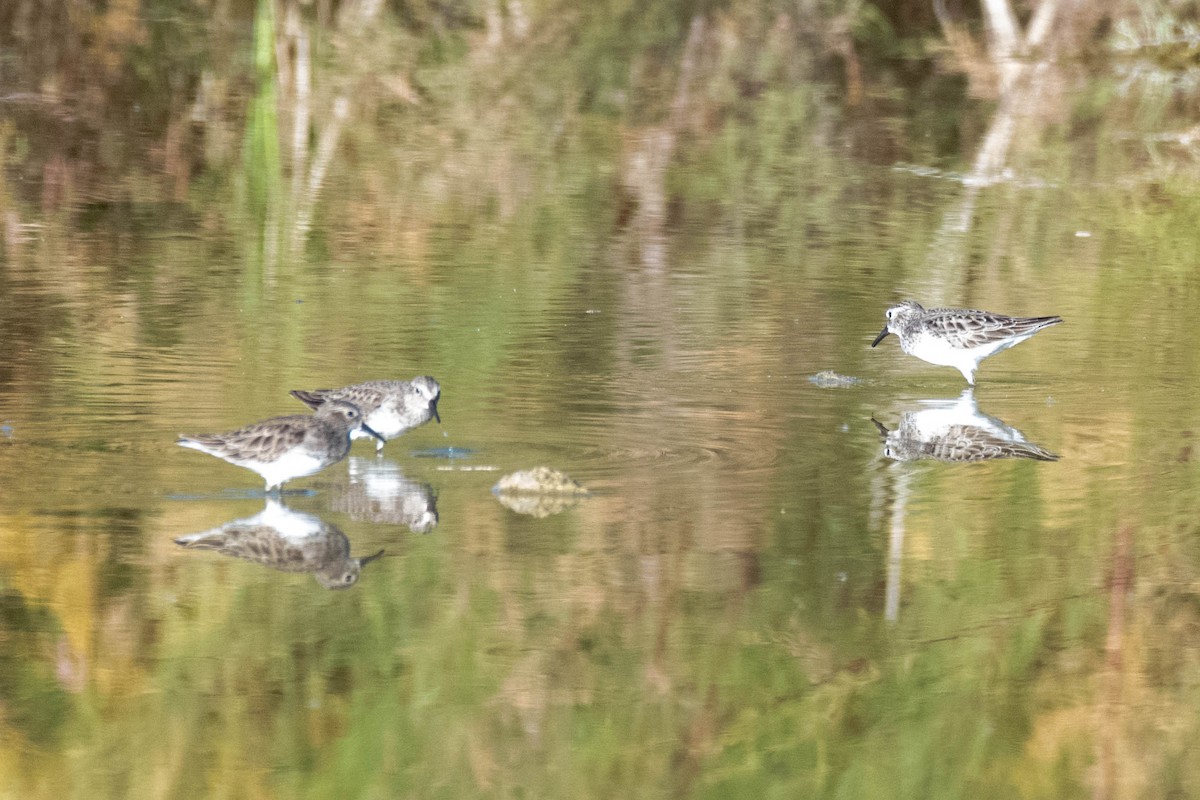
<point>776,586</point>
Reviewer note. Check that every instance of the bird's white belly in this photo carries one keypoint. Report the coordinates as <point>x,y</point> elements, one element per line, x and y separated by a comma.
<point>948,353</point>
<point>296,463</point>
<point>294,526</point>
<point>384,421</point>
<point>938,350</point>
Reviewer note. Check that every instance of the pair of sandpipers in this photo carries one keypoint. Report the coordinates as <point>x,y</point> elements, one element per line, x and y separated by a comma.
<point>283,448</point>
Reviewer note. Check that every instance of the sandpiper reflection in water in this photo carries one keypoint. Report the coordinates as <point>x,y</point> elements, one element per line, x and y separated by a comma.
<point>956,430</point>
<point>377,491</point>
<point>286,540</point>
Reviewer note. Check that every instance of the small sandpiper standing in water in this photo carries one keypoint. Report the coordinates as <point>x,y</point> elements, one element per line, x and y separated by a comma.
<point>957,337</point>
<point>389,407</point>
<point>283,448</point>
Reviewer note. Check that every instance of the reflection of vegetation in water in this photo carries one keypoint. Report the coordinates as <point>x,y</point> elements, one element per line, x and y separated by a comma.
<point>449,70</point>
<point>262,166</point>
<point>624,690</point>
<point>1159,36</point>
<point>1157,69</point>
<point>36,704</point>
<point>261,169</point>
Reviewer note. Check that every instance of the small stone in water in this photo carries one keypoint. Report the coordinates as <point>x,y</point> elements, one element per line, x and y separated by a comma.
<point>828,379</point>
<point>538,492</point>
<point>539,480</point>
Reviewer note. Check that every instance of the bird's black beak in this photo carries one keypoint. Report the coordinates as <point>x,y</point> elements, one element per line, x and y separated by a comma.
<point>433,408</point>
<point>367,430</point>
<point>880,426</point>
<point>879,338</point>
<point>362,562</point>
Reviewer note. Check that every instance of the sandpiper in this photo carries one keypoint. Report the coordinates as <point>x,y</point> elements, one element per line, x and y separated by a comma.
<point>283,448</point>
<point>389,407</point>
<point>289,541</point>
<point>957,337</point>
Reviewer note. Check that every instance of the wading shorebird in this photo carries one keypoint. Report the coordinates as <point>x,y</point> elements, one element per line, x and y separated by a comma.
<point>283,448</point>
<point>389,407</point>
<point>957,337</point>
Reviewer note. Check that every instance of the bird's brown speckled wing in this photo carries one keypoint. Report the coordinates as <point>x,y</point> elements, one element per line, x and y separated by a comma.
<point>969,443</point>
<point>260,543</point>
<point>262,441</point>
<point>974,328</point>
<point>367,396</point>
<point>314,399</point>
